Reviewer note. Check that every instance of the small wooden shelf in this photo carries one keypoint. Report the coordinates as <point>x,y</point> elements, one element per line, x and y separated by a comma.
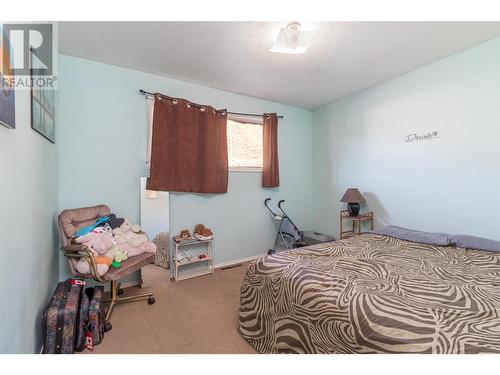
<point>181,270</point>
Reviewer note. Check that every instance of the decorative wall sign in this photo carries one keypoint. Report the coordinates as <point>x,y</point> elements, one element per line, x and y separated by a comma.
<point>421,137</point>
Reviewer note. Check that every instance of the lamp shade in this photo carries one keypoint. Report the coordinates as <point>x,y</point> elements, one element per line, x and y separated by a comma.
<point>353,195</point>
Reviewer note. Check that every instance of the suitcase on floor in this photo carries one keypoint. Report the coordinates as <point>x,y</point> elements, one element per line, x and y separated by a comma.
<point>83,322</point>
<point>92,319</point>
<point>61,318</point>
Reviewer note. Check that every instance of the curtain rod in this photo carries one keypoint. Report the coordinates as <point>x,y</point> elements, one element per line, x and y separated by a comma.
<point>147,93</point>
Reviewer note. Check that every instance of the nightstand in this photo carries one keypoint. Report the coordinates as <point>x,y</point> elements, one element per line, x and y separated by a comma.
<point>357,223</point>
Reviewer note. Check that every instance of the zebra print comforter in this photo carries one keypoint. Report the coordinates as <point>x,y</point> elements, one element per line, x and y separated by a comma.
<point>373,294</point>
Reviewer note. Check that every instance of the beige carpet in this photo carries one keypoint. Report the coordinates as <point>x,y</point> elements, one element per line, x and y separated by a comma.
<point>198,315</point>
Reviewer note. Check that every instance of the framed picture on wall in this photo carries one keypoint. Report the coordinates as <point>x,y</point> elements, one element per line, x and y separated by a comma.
<point>42,108</point>
<point>7,96</point>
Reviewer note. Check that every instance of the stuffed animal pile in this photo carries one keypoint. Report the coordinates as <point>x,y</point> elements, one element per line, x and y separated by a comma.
<point>131,239</point>
<point>111,242</point>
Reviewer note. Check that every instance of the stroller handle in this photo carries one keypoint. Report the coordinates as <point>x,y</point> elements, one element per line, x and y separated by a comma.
<point>267,206</point>
<point>280,203</point>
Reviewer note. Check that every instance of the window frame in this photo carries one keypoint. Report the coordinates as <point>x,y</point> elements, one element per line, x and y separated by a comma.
<point>245,120</point>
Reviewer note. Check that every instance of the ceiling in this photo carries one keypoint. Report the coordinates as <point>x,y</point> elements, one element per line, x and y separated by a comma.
<point>346,57</point>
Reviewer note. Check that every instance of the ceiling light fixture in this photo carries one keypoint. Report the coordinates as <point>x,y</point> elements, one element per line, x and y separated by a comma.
<point>293,40</point>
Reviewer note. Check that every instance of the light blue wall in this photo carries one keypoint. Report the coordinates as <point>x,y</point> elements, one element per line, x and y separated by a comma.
<point>102,146</point>
<point>28,235</point>
<point>450,184</point>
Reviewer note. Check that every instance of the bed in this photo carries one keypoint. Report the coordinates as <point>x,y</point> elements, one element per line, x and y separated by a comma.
<point>373,294</point>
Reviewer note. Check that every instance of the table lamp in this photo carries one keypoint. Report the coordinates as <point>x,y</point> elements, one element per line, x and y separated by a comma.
<point>353,198</point>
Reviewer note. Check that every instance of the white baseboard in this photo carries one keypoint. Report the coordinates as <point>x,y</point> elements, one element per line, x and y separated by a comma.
<point>238,261</point>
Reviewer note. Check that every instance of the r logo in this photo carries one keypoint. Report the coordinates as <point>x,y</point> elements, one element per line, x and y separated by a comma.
<point>25,37</point>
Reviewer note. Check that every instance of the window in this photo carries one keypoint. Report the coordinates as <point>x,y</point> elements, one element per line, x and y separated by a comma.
<point>244,144</point>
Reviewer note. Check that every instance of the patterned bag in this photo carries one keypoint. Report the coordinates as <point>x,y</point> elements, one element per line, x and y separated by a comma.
<point>73,320</point>
<point>97,317</point>
<point>83,321</point>
<point>91,325</point>
<point>60,318</point>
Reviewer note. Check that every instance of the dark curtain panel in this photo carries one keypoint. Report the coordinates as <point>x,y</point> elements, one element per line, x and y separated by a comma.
<point>188,148</point>
<point>270,167</point>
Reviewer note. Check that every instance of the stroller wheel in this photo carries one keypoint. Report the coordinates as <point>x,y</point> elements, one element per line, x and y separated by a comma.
<point>271,252</point>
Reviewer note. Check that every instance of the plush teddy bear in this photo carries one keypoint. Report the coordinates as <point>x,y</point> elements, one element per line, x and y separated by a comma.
<point>202,231</point>
<point>185,234</point>
<point>132,240</point>
<point>100,243</point>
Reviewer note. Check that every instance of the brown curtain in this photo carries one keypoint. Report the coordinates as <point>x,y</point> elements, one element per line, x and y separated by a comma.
<point>270,167</point>
<point>188,148</point>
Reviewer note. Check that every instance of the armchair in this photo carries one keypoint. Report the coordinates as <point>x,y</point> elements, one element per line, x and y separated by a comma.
<point>69,223</point>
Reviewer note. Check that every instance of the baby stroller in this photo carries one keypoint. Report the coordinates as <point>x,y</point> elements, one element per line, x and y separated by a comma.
<point>288,234</point>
